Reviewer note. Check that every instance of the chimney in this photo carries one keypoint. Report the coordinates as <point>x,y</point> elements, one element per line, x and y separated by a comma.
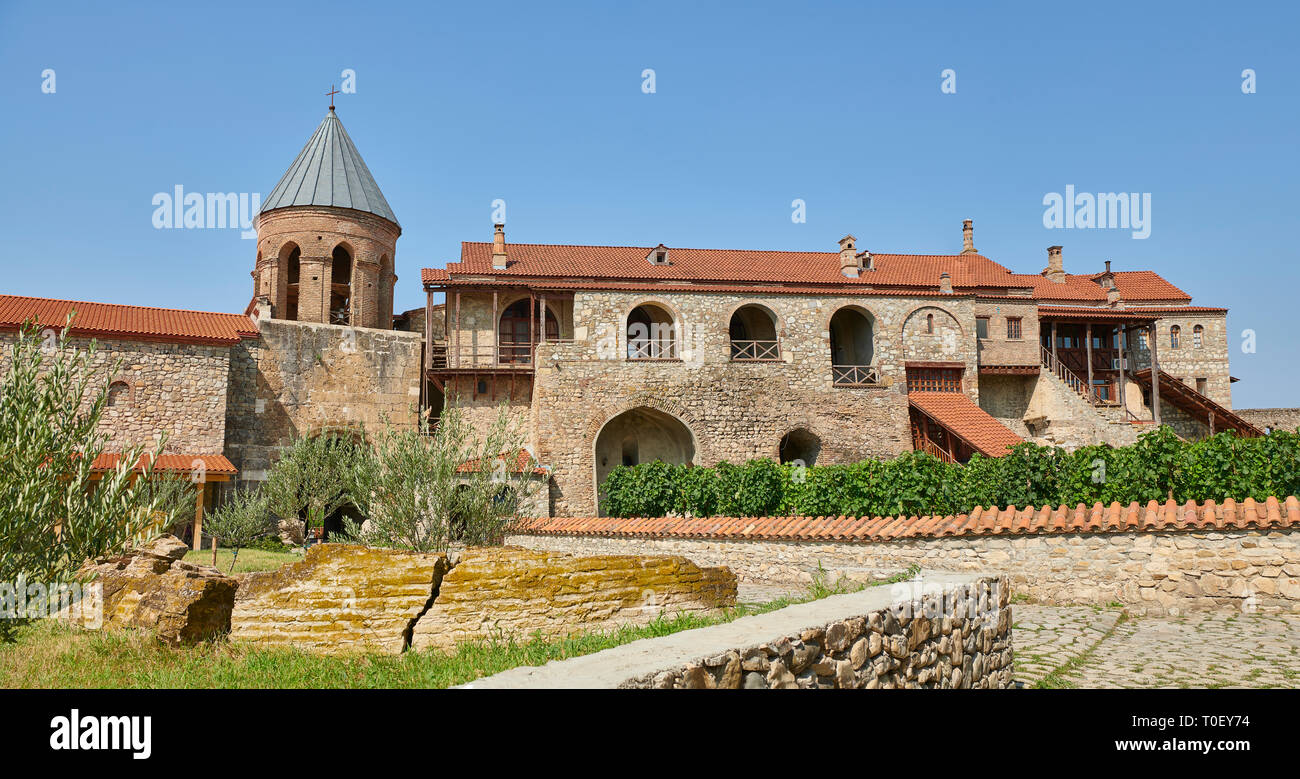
<point>849,257</point>
<point>945,283</point>
<point>499,247</point>
<point>1107,279</point>
<point>968,237</point>
<point>1055,270</point>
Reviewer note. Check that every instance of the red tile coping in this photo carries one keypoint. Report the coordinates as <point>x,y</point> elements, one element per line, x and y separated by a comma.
<point>110,320</point>
<point>172,463</point>
<point>1010,521</point>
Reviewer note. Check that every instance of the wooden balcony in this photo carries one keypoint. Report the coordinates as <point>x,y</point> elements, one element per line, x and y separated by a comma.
<point>504,357</point>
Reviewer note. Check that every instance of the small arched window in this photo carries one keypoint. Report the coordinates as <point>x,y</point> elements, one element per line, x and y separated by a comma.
<point>929,324</point>
<point>1175,333</point>
<point>1198,336</point>
<point>119,394</point>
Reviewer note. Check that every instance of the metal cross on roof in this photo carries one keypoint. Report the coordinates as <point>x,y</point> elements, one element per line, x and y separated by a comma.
<point>332,93</point>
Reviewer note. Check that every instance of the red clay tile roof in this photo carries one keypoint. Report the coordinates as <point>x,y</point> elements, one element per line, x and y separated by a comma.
<point>1153,517</point>
<point>1145,285</point>
<point>1098,312</point>
<point>172,463</point>
<point>520,464</point>
<point>108,320</point>
<point>628,263</point>
<point>960,416</point>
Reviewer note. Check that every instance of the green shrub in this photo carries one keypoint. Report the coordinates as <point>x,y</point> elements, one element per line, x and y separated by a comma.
<point>1158,467</point>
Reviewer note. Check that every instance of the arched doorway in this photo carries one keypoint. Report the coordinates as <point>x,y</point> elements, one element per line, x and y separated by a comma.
<point>799,444</point>
<point>642,435</point>
<point>514,330</point>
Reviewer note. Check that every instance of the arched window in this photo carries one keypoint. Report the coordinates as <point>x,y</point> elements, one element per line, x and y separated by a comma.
<point>651,334</point>
<point>852,348</point>
<point>1198,335</point>
<point>929,324</point>
<point>514,329</point>
<point>341,287</point>
<point>1174,333</point>
<point>290,256</point>
<point>119,394</point>
<point>753,335</point>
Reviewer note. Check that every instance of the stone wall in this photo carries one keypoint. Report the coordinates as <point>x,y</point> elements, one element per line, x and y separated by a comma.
<point>300,378</point>
<point>938,630</point>
<point>1188,362</point>
<point>177,389</point>
<point>1239,556</point>
<point>734,411</point>
<point>1272,418</point>
<point>517,592</point>
<point>956,638</point>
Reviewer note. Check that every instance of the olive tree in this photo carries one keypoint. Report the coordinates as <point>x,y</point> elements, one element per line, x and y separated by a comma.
<point>310,480</point>
<point>243,517</point>
<point>424,488</point>
<point>55,511</point>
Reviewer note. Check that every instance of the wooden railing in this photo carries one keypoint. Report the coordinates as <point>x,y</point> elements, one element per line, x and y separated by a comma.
<point>755,351</point>
<point>505,355</point>
<point>652,350</point>
<point>855,375</point>
<point>924,444</point>
<point>1066,375</point>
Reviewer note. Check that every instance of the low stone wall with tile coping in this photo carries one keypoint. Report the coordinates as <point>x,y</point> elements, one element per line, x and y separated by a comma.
<point>1161,559</point>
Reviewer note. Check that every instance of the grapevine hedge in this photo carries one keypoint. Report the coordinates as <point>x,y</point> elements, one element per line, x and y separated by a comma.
<point>1159,466</point>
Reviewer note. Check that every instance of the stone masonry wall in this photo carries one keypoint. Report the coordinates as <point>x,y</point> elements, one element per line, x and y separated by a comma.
<point>735,411</point>
<point>949,637</point>
<point>1150,572</point>
<point>300,378</point>
<point>1187,362</point>
<point>177,389</point>
<point>1272,418</point>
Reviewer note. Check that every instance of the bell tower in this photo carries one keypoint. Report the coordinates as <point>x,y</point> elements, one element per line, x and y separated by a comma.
<point>327,238</point>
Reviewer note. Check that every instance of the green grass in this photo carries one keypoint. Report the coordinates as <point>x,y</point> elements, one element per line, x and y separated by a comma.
<point>248,560</point>
<point>51,655</point>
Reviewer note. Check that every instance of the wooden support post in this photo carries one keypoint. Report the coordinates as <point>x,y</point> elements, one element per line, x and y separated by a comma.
<point>532,314</point>
<point>457,330</point>
<point>1155,374</point>
<point>1121,331</point>
<point>496,339</point>
<point>1054,341</point>
<point>1087,336</point>
<point>199,493</point>
<point>541,321</point>
<point>1211,423</point>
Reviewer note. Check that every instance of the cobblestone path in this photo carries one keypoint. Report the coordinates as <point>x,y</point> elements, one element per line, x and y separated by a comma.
<point>1083,646</point>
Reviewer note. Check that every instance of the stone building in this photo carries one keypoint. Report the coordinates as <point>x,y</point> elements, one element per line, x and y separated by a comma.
<point>619,354</point>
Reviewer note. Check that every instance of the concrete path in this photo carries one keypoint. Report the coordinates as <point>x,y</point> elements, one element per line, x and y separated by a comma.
<point>1083,646</point>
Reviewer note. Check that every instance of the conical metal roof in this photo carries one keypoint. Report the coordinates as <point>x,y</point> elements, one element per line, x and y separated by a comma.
<point>329,171</point>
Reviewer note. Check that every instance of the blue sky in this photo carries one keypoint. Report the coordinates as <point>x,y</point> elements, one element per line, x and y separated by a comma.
<point>755,105</point>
